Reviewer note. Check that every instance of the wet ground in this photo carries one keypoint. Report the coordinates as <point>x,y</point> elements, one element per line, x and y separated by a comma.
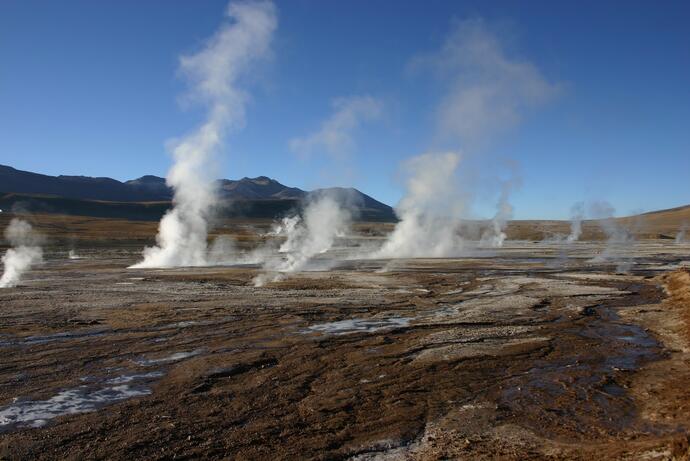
<point>535,351</point>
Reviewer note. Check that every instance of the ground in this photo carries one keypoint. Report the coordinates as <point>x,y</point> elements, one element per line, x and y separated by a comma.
<point>533,351</point>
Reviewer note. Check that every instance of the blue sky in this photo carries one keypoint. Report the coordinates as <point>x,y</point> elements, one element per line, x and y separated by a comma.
<point>92,88</point>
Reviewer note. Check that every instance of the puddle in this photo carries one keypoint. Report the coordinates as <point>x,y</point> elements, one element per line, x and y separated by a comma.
<point>579,384</point>
<point>176,357</point>
<point>81,399</point>
<point>183,324</point>
<point>124,379</point>
<point>344,327</point>
<point>62,336</point>
<point>195,323</point>
<point>159,340</point>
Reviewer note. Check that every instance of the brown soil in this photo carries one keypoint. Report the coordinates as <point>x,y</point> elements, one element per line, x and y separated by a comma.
<point>519,354</point>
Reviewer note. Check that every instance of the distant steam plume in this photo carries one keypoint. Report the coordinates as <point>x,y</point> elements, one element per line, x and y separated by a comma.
<point>495,235</point>
<point>214,73</point>
<point>25,252</point>
<point>486,91</point>
<point>577,213</point>
<point>306,237</point>
<point>681,235</point>
<point>429,210</point>
<point>618,239</point>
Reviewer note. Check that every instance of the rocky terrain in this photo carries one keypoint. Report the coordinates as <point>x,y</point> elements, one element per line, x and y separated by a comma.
<point>534,351</point>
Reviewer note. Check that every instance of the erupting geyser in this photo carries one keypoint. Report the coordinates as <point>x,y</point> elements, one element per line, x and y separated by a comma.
<point>25,252</point>
<point>429,210</point>
<point>680,236</point>
<point>577,213</point>
<point>323,220</point>
<point>214,72</point>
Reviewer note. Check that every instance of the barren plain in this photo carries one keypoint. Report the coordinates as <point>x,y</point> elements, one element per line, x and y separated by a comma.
<point>533,351</point>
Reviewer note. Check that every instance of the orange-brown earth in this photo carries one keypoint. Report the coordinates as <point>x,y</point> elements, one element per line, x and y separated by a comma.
<point>535,351</point>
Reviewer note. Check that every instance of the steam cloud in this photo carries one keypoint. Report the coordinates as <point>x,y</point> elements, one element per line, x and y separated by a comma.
<point>487,91</point>
<point>214,73</point>
<point>25,252</point>
<point>428,212</point>
<point>306,237</point>
<point>335,136</point>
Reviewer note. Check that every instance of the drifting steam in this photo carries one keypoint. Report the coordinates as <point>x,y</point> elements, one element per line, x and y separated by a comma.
<point>487,90</point>
<point>306,237</point>
<point>428,212</point>
<point>214,73</point>
<point>25,252</point>
<point>577,213</point>
<point>681,235</point>
<point>335,137</point>
<point>495,235</point>
<point>618,239</point>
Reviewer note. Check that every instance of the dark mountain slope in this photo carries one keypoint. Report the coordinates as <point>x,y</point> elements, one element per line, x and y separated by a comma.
<point>149,196</point>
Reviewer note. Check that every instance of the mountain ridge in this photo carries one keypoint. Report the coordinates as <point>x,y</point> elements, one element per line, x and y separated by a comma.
<point>259,197</point>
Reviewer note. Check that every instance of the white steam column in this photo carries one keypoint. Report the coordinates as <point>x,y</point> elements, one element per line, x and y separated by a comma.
<point>214,74</point>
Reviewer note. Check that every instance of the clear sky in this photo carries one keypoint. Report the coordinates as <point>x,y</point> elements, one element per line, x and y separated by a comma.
<point>594,103</point>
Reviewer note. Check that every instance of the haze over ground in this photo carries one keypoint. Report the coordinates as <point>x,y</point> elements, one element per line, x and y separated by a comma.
<point>610,120</point>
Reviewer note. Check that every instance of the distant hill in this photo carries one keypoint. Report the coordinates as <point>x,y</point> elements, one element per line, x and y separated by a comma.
<point>663,223</point>
<point>76,187</point>
<point>148,197</point>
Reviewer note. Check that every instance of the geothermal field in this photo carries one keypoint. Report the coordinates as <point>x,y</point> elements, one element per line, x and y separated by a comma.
<point>534,350</point>
<point>516,286</point>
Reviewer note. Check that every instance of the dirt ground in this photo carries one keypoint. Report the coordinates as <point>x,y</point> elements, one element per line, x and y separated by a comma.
<point>536,351</point>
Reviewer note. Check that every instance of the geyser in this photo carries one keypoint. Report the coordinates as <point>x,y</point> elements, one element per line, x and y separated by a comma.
<point>307,236</point>
<point>25,252</point>
<point>429,210</point>
<point>618,240</point>
<point>577,213</point>
<point>680,236</point>
<point>214,73</point>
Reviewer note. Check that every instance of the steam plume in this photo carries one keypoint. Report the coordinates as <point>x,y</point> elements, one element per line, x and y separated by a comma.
<point>308,236</point>
<point>680,236</point>
<point>214,74</point>
<point>486,91</point>
<point>25,252</point>
<point>428,212</point>
<point>577,213</point>
<point>618,239</point>
<point>495,235</point>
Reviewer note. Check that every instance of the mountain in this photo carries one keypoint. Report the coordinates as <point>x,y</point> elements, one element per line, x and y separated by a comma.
<point>257,189</point>
<point>150,186</point>
<point>149,196</point>
<point>79,187</point>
